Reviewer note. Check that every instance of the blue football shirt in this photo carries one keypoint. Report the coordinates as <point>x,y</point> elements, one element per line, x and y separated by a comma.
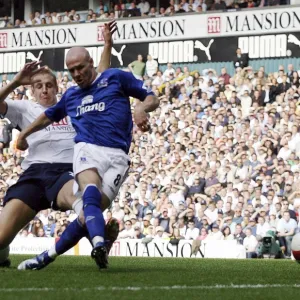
<point>101,113</point>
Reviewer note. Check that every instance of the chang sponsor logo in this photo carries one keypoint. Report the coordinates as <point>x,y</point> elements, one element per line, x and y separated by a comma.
<point>82,109</point>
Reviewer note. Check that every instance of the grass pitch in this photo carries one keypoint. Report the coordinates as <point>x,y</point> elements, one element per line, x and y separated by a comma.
<point>153,278</point>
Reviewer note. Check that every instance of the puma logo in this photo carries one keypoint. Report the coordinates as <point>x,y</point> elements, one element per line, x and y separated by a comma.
<point>200,46</point>
<point>293,40</point>
<point>114,52</point>
<point>31,57</point>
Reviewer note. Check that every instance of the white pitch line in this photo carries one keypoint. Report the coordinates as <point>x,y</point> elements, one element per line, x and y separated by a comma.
<point>144,288</point>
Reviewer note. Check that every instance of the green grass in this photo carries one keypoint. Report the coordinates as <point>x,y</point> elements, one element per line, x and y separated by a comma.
<point>78,278</point>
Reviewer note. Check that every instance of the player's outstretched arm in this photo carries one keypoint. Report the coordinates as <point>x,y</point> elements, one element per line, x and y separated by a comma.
<point>142,109</point>
<point>108,31</point>
<point>22,78</point>
<point>150,103</point>
<point>40,123</point>
<point>137,89</point>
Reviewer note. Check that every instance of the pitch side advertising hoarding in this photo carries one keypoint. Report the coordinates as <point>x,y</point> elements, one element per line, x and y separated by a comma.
<point>197,38</point>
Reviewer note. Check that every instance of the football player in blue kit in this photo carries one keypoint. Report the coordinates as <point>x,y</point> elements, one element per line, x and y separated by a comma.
<point>100,112</point>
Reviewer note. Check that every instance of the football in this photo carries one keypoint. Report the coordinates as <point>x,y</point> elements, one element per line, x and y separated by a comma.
<point>296,247</point>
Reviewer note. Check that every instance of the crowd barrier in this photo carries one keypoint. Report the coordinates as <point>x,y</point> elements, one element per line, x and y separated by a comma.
<point>137,248</point>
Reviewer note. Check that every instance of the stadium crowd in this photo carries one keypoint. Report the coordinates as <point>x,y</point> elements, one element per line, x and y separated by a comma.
<point>221,160</point>
<point>124,9</point>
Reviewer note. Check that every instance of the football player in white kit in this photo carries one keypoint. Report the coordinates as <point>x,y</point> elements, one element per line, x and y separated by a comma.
<point>48,179</point>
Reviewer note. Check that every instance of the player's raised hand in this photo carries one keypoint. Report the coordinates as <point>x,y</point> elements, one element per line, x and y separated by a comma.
<point>108,31</point>
<point>141,118</point>
<point>22,143</point>
<point>30,69</point>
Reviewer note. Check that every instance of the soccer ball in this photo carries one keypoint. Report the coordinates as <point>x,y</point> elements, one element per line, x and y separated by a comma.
<point>4,253</point>
<point>296,247</point>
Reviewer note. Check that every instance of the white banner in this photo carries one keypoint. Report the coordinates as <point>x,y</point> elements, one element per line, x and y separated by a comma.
<point>27,245</point>
<point>134,248</point>
<point>136,30</point>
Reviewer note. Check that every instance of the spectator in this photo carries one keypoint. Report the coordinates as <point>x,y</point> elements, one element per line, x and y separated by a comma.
<point>4,22</point>
<point>128,232</point>
<point>41,233</point>
<point>101,6</point>
<point>218,5</point>
<point>117,212</point>
<point>137,67</point>
<point>241,60</point>
<point>192,232</point>
<point>262,227</point>
<point>37,224</point>
<point>227,233</point>
<point>152,12</point>
<point>215,233</point>
<point>66,18</point>
<point>239,235</point>
<point>151,66</point>
<point>250,244</point>
<point>203,234</point>
<point>144,7</point>
<point>137,232</point>
<point>286,228</point>
<point>37,18</point>
<point>168,72</point>
<point>225,76</point>
<point>164,220</point>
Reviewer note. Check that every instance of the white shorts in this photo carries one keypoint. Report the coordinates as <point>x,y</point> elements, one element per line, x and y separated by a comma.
<point>112,165</point>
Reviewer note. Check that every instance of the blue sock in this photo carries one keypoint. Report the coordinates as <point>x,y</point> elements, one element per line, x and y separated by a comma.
<point>93,215</point>
<point>70,237</point>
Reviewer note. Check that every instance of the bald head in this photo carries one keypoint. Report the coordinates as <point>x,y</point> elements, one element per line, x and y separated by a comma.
<point>81,66</point>
<point>77,53</point>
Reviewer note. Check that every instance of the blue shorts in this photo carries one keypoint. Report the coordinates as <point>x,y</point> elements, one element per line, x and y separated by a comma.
<point>40,184</point>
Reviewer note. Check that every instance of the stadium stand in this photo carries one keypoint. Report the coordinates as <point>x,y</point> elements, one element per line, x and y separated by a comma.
<point>221,157</point>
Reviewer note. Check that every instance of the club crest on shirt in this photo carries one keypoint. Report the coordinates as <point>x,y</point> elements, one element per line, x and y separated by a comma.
<point>83,160</point>
<point>103,82</point>
<point>87,100</point>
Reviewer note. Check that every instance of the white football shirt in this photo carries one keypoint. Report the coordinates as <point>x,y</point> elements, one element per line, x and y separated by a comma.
<point>54,144</point>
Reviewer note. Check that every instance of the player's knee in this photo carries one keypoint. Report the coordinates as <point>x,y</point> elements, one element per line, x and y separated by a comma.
<point>91,196</point>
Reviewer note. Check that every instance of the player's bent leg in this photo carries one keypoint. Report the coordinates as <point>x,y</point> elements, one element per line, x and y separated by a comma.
<point>70,237</point>
<point>66,199</point>
<point>15,215</point>
<point>74,232</point>
<point>90,183</point>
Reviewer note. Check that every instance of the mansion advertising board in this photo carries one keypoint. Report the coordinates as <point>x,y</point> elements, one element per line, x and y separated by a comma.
<point>197,38</point>
<point>137,30</point>
<point>201,50</point>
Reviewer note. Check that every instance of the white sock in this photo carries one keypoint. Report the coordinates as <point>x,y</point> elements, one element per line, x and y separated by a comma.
<point>77,206</point>
<point>52,252</point>
<point>97,239</point>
